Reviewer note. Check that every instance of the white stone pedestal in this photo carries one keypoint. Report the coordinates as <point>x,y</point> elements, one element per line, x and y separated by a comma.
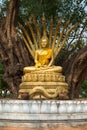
<point>36,113</point>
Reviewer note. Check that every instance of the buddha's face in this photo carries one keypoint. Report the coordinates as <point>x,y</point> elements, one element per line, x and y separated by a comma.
<point>44,42</point>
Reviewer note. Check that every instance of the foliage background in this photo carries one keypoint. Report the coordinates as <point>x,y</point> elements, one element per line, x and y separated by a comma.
<point>76,10</point>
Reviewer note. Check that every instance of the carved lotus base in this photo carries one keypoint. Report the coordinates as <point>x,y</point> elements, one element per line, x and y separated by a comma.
<point>43,85</point>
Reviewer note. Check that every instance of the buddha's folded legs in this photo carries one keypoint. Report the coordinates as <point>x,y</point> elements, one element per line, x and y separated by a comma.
<point>45,68</point>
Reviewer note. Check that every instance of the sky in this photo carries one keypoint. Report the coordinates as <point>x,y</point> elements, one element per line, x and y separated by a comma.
<point>0,1</point>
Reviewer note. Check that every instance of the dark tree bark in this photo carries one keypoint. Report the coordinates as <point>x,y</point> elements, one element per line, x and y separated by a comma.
<point>13,52</point>
<point>77,73</point>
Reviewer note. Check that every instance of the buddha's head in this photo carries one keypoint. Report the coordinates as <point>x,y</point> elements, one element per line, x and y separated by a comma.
<point>44,41</point>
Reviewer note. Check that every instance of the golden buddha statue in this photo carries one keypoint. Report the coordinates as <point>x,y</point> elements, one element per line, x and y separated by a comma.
<point>42,59</point>
<point>44,80</point>
<point>43,55</point>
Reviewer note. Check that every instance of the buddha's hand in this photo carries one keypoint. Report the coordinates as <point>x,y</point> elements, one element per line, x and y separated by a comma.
<point>38,64</point>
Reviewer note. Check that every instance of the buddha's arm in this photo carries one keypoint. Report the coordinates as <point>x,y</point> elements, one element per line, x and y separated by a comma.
<point>51,61</point>
<point>37,63</point>
<point>36,57</point>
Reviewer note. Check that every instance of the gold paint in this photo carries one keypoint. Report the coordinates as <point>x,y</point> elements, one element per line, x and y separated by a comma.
<point>44,80</point>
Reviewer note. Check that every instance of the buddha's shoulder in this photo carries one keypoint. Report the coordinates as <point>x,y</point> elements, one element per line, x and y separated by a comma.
<point>44,50</point>
<point>38,50</point>
<point>49,50</point>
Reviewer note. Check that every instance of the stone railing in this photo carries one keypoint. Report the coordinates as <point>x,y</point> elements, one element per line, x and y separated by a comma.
<point>42,112</point>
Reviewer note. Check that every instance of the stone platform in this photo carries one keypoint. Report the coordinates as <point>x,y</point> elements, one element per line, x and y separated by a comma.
<point>42,113</point>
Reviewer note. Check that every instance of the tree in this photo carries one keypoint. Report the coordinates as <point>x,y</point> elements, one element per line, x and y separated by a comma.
<point>77,72</point>
<point>14,53</point>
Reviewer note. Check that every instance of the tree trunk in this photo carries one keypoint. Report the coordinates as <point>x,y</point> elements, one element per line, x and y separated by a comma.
<point>77,73</point>
<point>13,52</point>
